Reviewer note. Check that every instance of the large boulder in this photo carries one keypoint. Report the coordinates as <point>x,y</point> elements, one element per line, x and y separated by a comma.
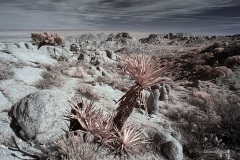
<point>59,53</point>
<point>56,52</point>
<point>40,116</point>
<point>167,144</point>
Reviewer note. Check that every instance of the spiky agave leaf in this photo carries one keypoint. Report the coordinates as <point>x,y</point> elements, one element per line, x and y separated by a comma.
<point>85,115</point>
<point>131,140</point>
<point>94,121</point>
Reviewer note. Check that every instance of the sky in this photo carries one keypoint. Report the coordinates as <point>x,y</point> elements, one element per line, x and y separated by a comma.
<point>209,17</point>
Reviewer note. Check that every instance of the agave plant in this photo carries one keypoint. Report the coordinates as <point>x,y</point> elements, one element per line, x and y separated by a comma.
<point>146,72</point>
<point>130,140</point>
<point>92,120</point>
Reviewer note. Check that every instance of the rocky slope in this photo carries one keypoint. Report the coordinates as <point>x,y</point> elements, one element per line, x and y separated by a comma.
<point>192,115</point>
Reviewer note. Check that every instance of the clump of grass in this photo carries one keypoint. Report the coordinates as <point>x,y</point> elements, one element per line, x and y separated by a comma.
<point>72,147</point>
<point>87,91</point>
<point>77,72</point>
<point>51,78</point>
<point>117,82</point>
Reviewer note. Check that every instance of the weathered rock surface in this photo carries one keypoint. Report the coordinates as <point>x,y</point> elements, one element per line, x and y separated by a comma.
<point>8,57</point>
<point>172,150</point>
<point>36,57</point>
<point>4,102</point>
<point>7,154</point>
<point>168,145</point>
<point>15,91</point>
<point>40,116</point>
<point>2,46</point>
<point>28,75</point>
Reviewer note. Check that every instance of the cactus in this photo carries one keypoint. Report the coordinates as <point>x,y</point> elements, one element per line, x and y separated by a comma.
<point>168,88</point>
<point>163,94</point>
<point>152,102</point>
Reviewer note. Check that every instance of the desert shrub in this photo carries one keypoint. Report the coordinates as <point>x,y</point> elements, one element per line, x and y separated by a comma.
<point>73,147</point>
<point>227,110</point>
<point>203,70</point>
<point>59,57</point>
<point>77,72</point>
<point>211,47</point>
<point>105,80</point>
<point>87,91</point>
<point>5,70</point>
<point>175,114</point>
<point>221,71</point>
<point>198,102</point>
<point>231,61</point>
<point>214,128</point>
<point>92,72</point>
<point>201,94</point>
<point>117,82</point>
<point>53,39</point>
<point>209,72</point>
<point>51,78</point>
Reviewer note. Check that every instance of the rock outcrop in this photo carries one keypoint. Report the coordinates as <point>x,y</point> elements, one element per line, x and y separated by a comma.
<point>40,116</point>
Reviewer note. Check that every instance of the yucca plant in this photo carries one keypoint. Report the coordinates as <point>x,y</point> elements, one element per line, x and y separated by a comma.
<point>146,72</point>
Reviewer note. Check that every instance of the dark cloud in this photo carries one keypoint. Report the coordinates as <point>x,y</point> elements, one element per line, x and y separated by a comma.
<point>151,15</point>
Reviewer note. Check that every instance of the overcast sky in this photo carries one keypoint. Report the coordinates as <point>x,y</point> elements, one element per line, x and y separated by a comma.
<point>161,16</point>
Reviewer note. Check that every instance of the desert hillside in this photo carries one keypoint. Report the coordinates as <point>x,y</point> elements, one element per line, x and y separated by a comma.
<point>90,96</point>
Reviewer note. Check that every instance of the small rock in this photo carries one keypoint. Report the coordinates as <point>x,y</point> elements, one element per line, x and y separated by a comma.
<point>21,45</point>
<point>110,54</point>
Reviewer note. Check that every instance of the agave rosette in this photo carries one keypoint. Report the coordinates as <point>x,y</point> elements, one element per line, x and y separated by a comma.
<point>92,120</point>
<point>130,139</point>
